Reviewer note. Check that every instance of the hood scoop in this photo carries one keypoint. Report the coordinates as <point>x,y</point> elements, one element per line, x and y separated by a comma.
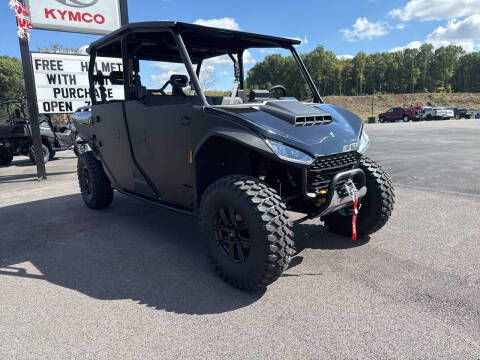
<point>297,113</point>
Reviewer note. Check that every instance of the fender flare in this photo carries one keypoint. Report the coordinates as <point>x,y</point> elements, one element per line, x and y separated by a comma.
<point>239,136</point>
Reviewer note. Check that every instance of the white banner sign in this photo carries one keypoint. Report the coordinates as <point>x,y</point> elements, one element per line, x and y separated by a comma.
<point>61,81</point>
<point>83,16</point>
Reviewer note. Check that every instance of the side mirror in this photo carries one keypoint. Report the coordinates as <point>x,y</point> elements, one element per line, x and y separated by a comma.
<point>116,78</point>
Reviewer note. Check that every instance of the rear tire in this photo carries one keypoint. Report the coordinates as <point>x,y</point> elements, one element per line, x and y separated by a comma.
<point>376,207</point>
<point>247,231</point>
<point>45,151</point>
<point>6,156</point>
<point>97,192</point>
<point>76,150</point>
<point>406,119</point>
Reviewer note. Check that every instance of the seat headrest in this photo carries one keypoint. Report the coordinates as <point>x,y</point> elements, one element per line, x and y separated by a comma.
<point>179,81</point>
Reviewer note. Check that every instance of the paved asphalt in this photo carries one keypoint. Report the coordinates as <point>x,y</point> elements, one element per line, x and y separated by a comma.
<point>132,282</point>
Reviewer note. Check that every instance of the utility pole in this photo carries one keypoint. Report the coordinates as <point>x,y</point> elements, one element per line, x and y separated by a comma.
<point>373,100</point>
<point>32,106</point>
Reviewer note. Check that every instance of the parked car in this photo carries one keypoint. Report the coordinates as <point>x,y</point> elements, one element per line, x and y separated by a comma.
<point>398,113</point>
<point>426,113</point>
<point>466,114</point>
<point>238,162</point>
<point>442,113</point>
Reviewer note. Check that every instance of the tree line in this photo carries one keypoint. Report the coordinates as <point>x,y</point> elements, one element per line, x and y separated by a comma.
<point>426,69</point>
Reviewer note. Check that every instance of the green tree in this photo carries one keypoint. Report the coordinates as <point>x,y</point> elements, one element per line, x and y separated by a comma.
<point>11,78</point>
<point>443,67</point>
<point>424,69</point>
<point>59,49</point>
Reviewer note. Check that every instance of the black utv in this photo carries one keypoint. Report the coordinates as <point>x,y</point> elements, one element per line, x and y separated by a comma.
<point>240,163</point>
<point>16,134</point>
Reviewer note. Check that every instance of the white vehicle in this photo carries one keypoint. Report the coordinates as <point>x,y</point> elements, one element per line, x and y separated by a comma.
<point>443,113</point>
<point>426,113</point>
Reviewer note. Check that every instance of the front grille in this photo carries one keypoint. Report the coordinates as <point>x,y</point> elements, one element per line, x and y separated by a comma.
<point>322,171</point>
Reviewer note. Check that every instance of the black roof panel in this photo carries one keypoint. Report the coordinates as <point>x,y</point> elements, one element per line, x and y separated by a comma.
<point>202,42</point>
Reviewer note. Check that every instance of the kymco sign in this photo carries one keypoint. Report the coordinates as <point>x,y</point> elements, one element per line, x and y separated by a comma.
<point>83,16</point>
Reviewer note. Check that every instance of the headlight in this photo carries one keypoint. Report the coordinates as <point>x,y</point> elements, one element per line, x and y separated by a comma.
<point>288,153</point>
<point>364,143</point>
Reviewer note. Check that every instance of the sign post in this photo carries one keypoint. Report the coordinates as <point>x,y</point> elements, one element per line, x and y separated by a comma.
<point>32,106</point>
<point>81,16</point>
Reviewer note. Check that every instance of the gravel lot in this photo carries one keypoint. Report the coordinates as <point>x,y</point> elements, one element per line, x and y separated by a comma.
<point>133,282</point>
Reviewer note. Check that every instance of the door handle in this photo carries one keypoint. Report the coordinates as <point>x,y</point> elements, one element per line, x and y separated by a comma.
<point>186,121</point>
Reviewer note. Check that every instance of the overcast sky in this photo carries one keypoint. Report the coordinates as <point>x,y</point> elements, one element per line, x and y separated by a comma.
<point>343,26</point>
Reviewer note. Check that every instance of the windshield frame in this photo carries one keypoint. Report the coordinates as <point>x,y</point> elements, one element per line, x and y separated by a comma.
<point>195,72</point>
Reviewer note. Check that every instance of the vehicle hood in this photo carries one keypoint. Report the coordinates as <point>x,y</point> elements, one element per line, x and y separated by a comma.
<point>333,129</point>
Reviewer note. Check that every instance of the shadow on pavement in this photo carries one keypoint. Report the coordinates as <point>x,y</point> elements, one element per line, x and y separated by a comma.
<point>130,251</point>
<point>28,177</point>
<point>313,236</point>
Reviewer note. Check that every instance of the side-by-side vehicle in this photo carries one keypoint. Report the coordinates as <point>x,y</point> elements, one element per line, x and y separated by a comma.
<point>241,162</point>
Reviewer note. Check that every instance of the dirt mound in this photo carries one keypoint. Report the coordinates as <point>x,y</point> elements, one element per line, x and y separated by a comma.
<point>362,105</point>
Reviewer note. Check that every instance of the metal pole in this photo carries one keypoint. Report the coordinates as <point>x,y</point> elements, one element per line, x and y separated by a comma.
<point>188,64</point>
<point>373,99</point>
<point>124,12</point>
<point>32,107</point>
<point>306,75</point>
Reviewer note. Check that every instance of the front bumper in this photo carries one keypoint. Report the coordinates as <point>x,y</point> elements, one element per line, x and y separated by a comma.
<point>337,199</point>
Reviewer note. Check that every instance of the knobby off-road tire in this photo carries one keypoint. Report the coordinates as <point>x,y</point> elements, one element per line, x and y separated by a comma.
<point>376,207</point>
<point>97,192</point>
<point>247,231</point>
<point>76,150</point>
<point>6,156</point>
<point>45,151</point>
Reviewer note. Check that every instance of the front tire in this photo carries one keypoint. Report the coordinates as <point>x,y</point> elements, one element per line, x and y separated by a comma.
<point>247,231</point>
<point>6,156</point>
<point>376,207</point>
<point>97,192</point>
<point>406,119</point>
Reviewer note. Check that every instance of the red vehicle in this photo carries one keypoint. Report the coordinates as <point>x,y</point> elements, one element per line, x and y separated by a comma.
<point>405,113</point>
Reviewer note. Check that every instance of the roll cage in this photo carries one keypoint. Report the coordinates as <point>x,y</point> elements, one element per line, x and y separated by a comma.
<point>189,44</point>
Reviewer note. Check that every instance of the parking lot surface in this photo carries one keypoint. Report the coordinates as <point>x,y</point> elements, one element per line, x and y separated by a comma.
<point>133,282</point>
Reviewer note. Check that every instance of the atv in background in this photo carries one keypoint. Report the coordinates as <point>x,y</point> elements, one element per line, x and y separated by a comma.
<point>16,135</point>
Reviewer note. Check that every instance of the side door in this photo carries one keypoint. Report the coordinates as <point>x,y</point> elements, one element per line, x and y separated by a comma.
<point>397,114</point>
<point>390,115</point>
<point>161,143</point>
<point>112,142</point>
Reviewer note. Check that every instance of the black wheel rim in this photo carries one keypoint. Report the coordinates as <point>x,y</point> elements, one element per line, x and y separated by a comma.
<point>232,234</point>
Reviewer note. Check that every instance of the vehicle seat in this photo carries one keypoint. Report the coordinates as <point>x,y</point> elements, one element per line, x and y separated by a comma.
<point>140,90</point>
<point>178,82</point>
